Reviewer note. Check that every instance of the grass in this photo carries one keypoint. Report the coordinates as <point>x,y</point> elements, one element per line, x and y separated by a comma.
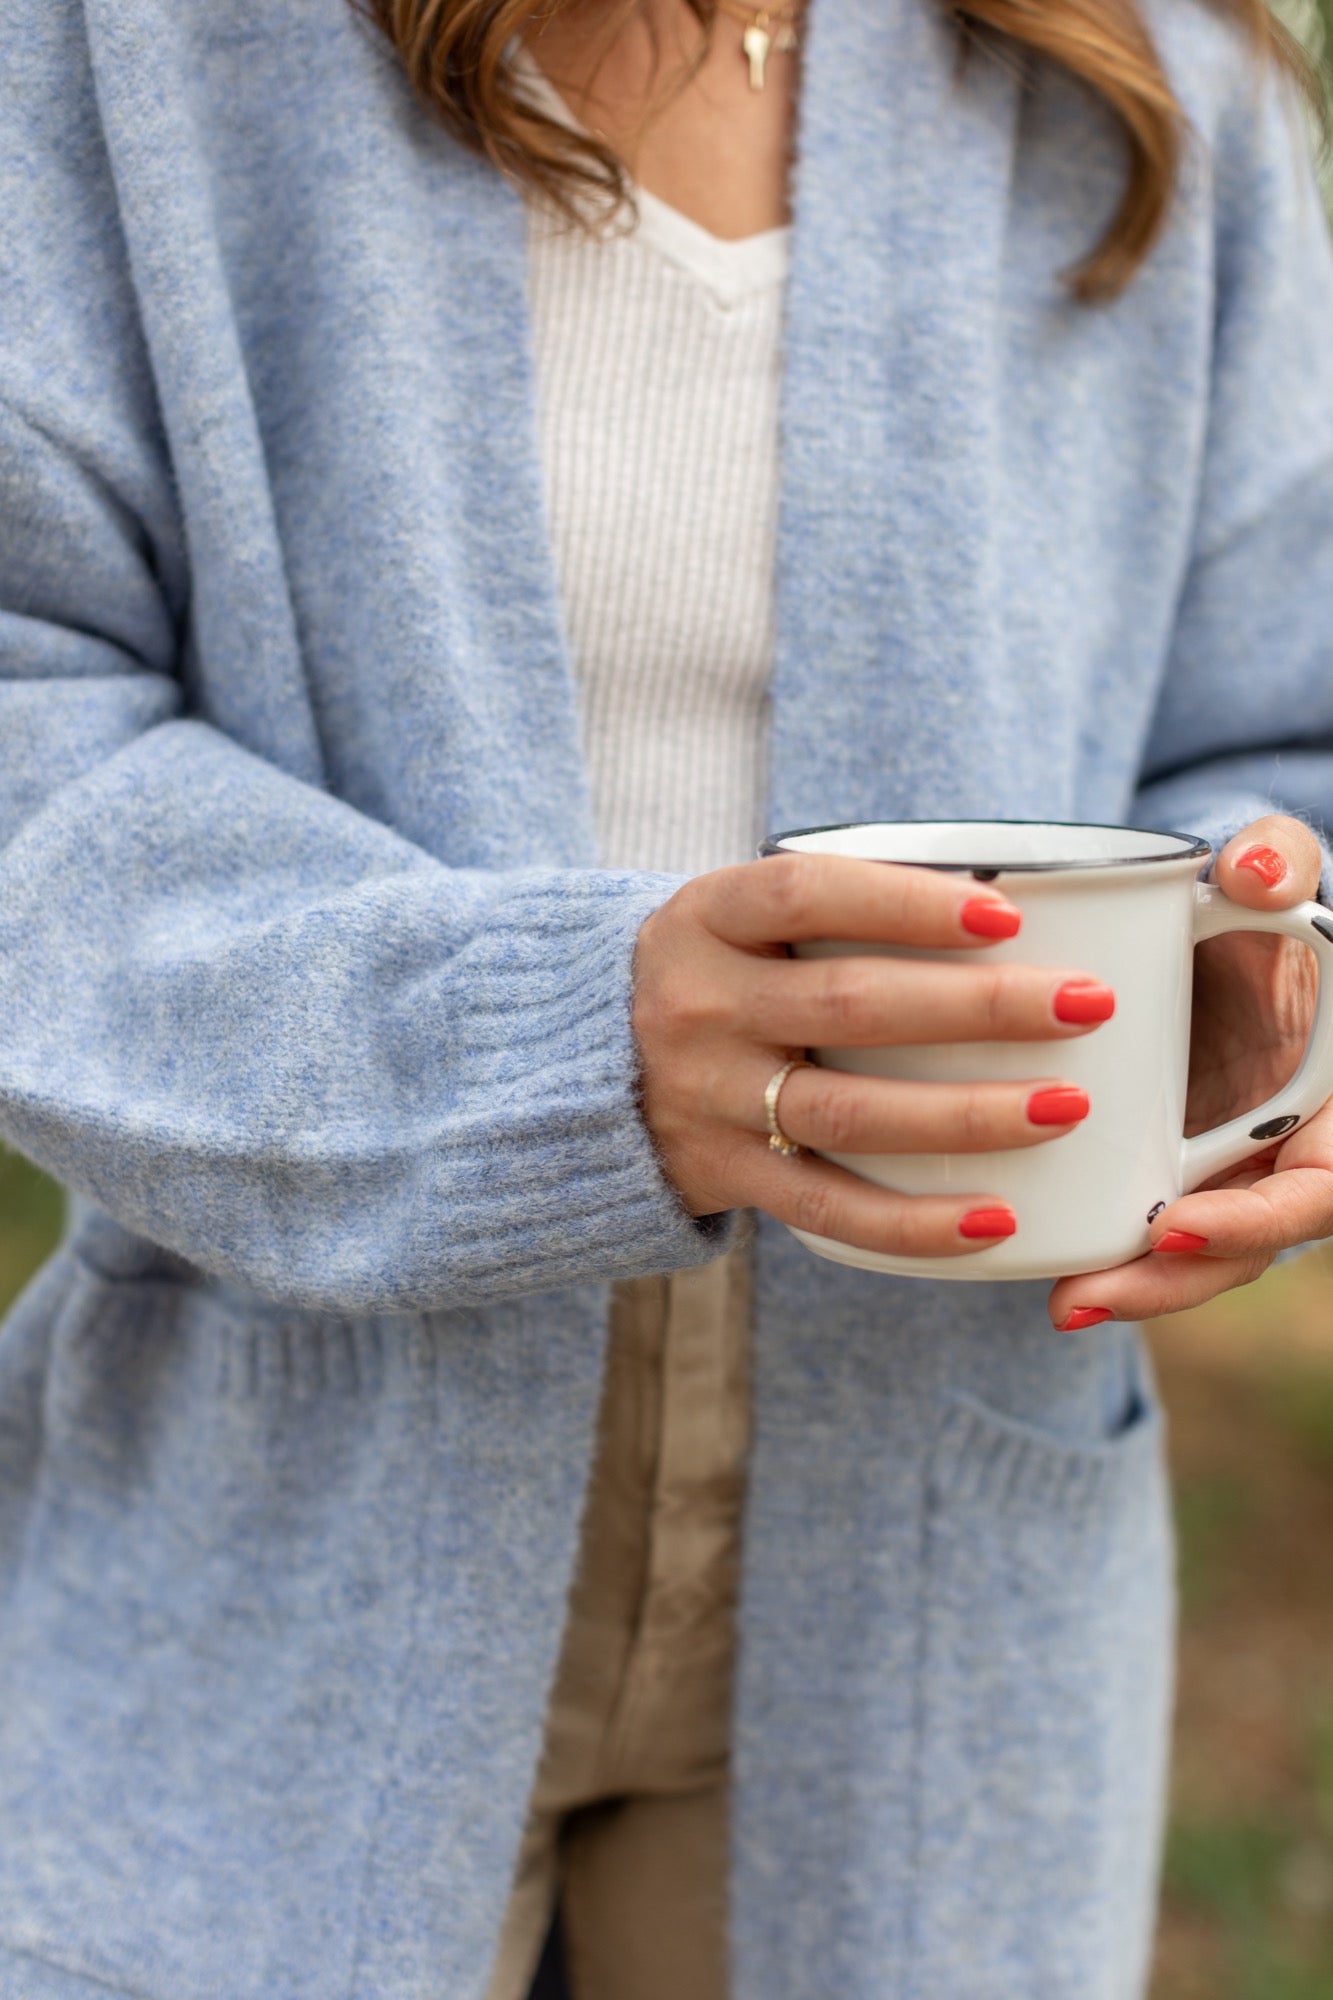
<point>31,1211</point>
<point>1265,1887</point>
<point>1248,1895</point>
<point>1300,1402</point>
<point>1211,1511</point>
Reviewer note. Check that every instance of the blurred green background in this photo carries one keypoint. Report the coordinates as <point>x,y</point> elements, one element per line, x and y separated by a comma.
<point>1247,1910</point>
<point>1248,1385</point>
<point>1312,22</point>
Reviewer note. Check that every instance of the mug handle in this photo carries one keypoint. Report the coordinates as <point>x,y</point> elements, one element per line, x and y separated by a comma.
<point>1225,1145</point>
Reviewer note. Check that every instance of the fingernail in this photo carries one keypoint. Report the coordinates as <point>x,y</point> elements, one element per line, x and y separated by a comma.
<point>1061,1104</point>
<point>985,918</point>
<point>1084,1000</point>
<point>1180,1240</point>
<point>1083,1316</point>
<point>1266,863</point>
<point>988,1222</point>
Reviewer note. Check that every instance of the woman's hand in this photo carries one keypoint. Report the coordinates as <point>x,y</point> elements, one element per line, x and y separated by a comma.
<point>720,1006</point>
<point>1253,1001</point>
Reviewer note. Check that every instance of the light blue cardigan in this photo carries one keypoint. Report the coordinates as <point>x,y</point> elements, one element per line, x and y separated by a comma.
<point>310,987</point>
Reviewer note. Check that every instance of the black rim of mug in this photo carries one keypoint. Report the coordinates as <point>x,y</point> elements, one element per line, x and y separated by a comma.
<point>1191,847</point>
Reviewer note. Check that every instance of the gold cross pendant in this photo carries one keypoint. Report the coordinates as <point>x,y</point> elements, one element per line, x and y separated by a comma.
<point>756,43</point>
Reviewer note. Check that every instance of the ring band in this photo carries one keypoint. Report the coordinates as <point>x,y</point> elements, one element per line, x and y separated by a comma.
<point>778,1142</point>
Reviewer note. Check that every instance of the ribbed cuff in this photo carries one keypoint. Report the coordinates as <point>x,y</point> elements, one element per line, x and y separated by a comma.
<point>574,1188</point>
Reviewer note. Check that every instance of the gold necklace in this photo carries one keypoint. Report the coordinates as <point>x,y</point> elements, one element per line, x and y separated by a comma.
<point>766,28</point>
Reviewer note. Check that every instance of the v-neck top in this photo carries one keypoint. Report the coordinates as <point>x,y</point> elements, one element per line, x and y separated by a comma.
<point>658,358</point>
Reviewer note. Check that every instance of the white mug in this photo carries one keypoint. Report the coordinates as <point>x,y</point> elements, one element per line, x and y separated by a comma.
<point>1125,907</point>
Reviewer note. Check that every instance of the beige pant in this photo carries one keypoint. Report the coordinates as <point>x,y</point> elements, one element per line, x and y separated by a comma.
<point>628,1818</point>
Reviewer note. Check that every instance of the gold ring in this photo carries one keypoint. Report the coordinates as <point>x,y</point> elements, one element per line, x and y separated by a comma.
<point>778,1142</point>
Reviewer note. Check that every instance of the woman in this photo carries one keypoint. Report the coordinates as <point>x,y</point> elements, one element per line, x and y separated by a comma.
<point>371,1072</point>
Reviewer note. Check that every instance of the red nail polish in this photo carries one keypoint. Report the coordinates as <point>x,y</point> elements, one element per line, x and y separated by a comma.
<point>1084,1000</point>
<point>988,1222</point>
<point>985,918</point>
<point>1061,1104</point>
<point>1266,863</point>
<point>1082,1316</point>
<point>1180,1241</point>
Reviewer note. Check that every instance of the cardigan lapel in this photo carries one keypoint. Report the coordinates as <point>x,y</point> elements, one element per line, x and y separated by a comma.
<point>887,559</point>
<point>888,703</point>
<point>886,551</point>
<point>885,693</point>
<point>886,556</point>
<point>372,547</point>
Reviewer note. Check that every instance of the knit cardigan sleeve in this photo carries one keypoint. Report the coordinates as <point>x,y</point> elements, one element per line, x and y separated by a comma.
<point>247,1020</point>
<point>256,1024</point>
<point>1244,724</point>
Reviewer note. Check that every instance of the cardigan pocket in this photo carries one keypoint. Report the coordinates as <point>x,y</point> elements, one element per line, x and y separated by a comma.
<point>1043,1709</point>
<point>209,1575</point>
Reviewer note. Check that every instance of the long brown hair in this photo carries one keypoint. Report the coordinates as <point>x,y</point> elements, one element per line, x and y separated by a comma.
<point>454,55</point>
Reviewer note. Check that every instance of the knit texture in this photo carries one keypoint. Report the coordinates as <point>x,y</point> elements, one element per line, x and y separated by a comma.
<point>312,990</point>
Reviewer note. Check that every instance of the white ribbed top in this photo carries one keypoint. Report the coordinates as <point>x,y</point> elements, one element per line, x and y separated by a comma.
<point>657,358</point>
